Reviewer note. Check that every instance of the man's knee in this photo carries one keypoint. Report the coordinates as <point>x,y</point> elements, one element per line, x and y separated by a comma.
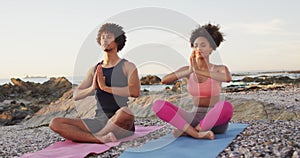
<point>55,124</point>
<point>124,111</point>
<point>123,118</point>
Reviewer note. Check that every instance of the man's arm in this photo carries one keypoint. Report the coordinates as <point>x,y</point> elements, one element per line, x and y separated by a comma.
<point>87,86</point>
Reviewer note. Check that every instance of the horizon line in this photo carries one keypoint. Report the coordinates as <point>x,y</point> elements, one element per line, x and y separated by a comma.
<point>145,74</point>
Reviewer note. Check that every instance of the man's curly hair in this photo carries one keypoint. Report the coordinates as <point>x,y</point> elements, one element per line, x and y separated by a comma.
<point>210,32</point>
<point>116,30</point>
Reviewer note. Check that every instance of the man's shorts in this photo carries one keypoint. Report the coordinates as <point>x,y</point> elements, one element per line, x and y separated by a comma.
<point>98,123</point>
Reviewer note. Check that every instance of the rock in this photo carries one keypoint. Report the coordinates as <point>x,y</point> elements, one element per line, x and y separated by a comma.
<point>260,105</point>
<point>244,109</point>
<point>150,80</point>
<point>247,109</point>
<point>58,108</point>
<point>267,80</point>
<point>26,98</point>
<point>277,104</point>
<point>14,113</point>
<point>37,93</point>
<point>5,118</point>
<point>177,87</point>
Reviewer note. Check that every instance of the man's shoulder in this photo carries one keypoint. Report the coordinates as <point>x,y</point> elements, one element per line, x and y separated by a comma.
<point>128,63</point>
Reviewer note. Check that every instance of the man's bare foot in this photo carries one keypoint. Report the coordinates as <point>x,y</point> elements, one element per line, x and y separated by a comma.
<point>109,137</point>
<point>178,133</point>
<point>206,135</point>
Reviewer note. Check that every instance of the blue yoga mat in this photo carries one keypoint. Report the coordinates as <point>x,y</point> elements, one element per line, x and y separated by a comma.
<point>186,147</point>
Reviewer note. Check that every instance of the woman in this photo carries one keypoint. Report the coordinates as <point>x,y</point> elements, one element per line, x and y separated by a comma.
<point>210,115</point>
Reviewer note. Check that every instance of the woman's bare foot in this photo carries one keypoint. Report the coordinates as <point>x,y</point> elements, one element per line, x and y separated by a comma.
<point>109,137</point>
<point>206,135</point>
<point>178,133</point>
<point>198,128</point>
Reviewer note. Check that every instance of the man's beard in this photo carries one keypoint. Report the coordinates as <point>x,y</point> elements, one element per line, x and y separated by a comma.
<point>108,49</point>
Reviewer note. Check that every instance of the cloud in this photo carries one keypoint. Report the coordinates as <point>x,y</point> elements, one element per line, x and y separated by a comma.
<point>272,27</point>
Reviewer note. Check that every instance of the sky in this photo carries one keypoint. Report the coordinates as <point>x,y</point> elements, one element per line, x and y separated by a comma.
<point>57,38</point>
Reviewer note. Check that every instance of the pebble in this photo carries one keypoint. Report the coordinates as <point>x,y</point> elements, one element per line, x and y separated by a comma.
<point>262,138</point>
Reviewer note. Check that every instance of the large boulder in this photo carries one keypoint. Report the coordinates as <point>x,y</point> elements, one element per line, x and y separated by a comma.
<point>142,105</point>
<point>21,99</point>
<point>250,109</point>
<point>64,107</point>
<point>267,80</point>
<point>35,92</point>
<point>150,80</point>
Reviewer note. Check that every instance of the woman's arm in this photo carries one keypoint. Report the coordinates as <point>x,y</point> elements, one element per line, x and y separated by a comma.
<point>178,74</point>
<point>133,88</point>
<point>87,86</point>
<point>221,73</point>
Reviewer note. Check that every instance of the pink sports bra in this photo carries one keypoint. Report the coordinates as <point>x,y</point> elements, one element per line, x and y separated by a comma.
<point>208,88</point>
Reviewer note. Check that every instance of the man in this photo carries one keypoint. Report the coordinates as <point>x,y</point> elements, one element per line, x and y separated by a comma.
<point>114,80</point>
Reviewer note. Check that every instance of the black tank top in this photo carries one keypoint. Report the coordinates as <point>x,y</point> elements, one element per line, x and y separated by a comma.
<point>114,77</point>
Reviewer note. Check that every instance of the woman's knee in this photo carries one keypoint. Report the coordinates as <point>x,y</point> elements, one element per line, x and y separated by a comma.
<point>160,104</point>
<point>228,108</point>
<point>225,106</point>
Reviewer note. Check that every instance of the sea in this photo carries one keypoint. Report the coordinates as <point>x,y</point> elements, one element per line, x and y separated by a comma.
<point>236,76</point>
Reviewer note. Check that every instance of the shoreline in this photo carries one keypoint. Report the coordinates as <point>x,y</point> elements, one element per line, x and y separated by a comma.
<point>77,79</point>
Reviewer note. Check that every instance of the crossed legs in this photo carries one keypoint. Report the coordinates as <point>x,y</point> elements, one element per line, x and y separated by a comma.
<point>219,115</point>
<point>117,126</point>
<point>173,115</point>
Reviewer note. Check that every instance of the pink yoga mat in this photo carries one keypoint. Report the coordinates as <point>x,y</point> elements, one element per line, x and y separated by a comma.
<point>70,149</point>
